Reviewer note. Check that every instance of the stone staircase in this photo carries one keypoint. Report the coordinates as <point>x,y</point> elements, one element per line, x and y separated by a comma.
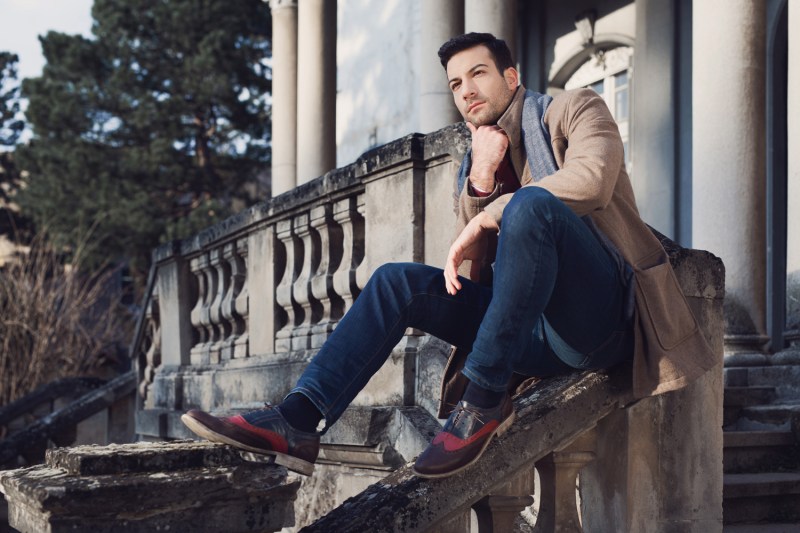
<point>761,488</point>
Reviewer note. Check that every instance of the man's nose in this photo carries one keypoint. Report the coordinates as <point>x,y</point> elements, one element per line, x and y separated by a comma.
<point>468,89</point>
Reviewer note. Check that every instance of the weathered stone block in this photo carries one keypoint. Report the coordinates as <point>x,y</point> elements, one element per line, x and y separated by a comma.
<point>178,486</point>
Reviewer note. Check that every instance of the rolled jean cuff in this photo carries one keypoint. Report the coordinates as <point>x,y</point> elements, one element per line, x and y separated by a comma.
<point>317,403</point>
<point>477,378</point>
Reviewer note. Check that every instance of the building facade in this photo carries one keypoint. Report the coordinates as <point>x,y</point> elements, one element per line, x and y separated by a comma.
<point>703,92</point>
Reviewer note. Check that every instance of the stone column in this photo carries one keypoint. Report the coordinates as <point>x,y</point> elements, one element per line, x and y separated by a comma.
<point>316,89</point>
<point>284,95</point>
<point>653,128</point>
<point>793,185</point>
<point>441,20</point>
<point>498,17</point>
<point>729,164</point>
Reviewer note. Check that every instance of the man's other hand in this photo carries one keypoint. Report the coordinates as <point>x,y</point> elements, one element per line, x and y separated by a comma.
<point>470,244</point>
<point>489,145</point>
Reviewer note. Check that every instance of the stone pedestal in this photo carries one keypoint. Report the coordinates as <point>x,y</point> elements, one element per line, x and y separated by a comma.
<point>178,486</point>
<point>659,460</point>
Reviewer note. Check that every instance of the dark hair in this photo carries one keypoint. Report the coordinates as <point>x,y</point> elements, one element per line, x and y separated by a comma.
<point>497,47</point>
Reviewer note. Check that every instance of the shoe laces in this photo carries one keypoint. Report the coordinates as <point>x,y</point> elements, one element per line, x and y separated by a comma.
<point>463,407</point>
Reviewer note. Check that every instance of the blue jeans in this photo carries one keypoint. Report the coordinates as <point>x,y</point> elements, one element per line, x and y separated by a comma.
<point>548,264</point>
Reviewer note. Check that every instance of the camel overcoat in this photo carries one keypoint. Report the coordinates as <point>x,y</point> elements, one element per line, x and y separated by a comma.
<point>670,349</point>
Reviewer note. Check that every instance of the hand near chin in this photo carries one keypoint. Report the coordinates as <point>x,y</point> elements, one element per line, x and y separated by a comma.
<point>489,145</point>
<point>470,244</point>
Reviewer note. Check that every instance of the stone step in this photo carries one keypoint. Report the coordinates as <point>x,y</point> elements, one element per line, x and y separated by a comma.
<point>760,451</point>
<point>761,497</point>
<point>737,398</point>
<point>762,528</point>
<point>777,416</point>
<point>744,396</point>
<point>143,487</point>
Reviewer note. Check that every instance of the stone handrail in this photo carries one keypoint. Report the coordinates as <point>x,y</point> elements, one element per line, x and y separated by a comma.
<point>43,401</point>
<point>59,425</point>
<point>550,416</point>
<point>16,445</point>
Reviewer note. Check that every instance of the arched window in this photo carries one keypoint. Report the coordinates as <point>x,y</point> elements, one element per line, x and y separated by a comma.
<point>609,73</point>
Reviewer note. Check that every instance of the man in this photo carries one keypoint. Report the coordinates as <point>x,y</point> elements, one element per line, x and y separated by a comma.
<point>563,275</point>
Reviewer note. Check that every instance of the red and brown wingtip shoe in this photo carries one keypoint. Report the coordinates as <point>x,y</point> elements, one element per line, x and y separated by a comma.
<point>262,431</point>
<point>465,436</point>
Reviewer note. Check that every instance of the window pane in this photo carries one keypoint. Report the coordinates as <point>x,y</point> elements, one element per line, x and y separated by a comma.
<point>597,87</point>
<point>621,105</point>
<point>621,79</point>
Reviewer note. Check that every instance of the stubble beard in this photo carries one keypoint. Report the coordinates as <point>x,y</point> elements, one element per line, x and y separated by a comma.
<point>491,112</point>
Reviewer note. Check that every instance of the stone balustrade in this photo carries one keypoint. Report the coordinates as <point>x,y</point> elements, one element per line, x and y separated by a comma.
<point>236,311</point>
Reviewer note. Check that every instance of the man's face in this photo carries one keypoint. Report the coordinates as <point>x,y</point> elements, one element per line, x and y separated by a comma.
<point>481,92</point>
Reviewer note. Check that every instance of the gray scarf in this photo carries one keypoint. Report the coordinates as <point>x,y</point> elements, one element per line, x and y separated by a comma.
<point>535,136</point>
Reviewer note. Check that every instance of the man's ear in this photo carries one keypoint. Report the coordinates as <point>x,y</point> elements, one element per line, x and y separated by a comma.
<point>512,77</point>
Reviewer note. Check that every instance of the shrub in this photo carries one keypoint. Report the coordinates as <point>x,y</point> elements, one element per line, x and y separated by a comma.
<point>55,321</point>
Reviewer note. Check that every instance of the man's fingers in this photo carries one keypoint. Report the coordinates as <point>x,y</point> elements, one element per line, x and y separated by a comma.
<point>471,127</point>
<point>451,283</point>
<point>451,274</point>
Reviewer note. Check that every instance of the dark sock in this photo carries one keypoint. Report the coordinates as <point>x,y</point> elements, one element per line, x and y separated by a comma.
<point>300,413</point>
<point>480,397</point>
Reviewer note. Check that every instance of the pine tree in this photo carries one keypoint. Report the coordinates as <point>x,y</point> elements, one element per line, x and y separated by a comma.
<point>151,130</point>
<point>11,126</point>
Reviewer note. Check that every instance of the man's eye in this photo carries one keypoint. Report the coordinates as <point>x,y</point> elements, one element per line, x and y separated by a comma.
<point>455,86</point>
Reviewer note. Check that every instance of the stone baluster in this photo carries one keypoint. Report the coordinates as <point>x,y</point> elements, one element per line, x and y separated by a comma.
<point>150,358</point>
<point>241,306</point>
<point>220,328</point>
<point>362,274</point>
<point>283,291</point>
<point>345,213</point>
<point>498,511</point>
<point>199,315</point>
<point>233,319</point>
<point>301,288</point>
<point>322,289</point>
<point>558,474</point>
<point>226,306</point>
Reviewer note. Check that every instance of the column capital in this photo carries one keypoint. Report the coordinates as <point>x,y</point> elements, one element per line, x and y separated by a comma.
<point>278,4</point>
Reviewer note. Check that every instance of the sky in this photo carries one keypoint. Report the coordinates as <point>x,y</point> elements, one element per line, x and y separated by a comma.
<point>22,21</point>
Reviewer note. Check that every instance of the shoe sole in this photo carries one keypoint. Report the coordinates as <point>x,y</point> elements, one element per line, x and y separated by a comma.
<point>502,428</point>
<point>289,461</point>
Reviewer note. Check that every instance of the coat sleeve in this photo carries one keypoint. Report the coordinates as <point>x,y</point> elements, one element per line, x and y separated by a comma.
<point>588,151</point>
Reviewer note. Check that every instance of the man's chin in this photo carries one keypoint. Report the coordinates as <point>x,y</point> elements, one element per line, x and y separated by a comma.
<point>482,119</point>
<point>481,122</point>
